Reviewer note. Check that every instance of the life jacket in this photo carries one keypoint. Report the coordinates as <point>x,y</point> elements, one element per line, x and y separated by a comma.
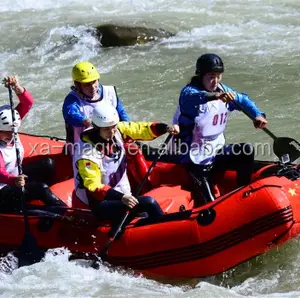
<point>113,171</point>
<point>205,133</point>
<point>208,135</point>
<point>87,107</point>
<point>10,158</point>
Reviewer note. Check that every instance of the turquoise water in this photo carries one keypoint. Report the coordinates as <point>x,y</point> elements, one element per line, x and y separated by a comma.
<point>259,42</point>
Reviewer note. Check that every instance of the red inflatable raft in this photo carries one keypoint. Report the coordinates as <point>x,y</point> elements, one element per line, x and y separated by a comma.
<point>185,243</point>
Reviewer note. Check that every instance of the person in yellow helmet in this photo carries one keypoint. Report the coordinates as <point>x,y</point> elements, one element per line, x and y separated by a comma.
<point>85,95</point>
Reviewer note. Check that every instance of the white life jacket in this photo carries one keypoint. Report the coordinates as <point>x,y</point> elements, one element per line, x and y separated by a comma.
<point>113,171</point>
<point>208,135</point>
<point>208,130</point>
<point>86,107</point>
<point>10,158</point>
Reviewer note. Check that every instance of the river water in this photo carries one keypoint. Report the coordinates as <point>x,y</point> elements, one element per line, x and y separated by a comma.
<point>259,42</point>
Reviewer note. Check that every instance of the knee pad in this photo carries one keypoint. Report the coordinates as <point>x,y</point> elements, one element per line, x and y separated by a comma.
<point>43,185</point>
<point>38,187</point>
<point>148,200</point>
<point>49,163</point>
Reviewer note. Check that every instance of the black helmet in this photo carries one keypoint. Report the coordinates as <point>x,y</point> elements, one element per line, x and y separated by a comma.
<point>209,63</point>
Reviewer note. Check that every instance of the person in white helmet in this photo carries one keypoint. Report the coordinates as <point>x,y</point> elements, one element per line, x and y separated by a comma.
<point>100,164</point>
<point>10,181</point>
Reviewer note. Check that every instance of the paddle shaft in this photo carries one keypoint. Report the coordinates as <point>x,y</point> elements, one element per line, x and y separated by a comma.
<point>20,171</point>
<point>266,130</point>
<point>112,238</point>
<point>29,251</point>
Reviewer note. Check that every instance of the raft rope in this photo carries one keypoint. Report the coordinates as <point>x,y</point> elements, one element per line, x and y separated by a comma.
<point>44,136</point>
<point>289,171</point>
<point>276,239</point>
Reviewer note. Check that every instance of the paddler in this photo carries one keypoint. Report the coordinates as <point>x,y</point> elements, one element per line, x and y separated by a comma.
<point>36,173</point>
<point>202,114</point>
<point>100,163</point>
<point>85,95</point>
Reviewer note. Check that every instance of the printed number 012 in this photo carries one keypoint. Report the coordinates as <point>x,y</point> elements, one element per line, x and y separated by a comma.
<point>222,120</point>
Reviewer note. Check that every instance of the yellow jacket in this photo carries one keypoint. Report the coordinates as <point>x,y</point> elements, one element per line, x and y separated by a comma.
<point>88,170</point>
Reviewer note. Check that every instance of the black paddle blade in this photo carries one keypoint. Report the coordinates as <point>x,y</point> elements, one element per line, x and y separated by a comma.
<point>102,255</point>
<point>283,146</point>
<point>29,252</point>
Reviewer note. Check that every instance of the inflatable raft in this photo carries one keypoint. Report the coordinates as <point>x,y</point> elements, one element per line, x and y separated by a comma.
<point>186,242</point>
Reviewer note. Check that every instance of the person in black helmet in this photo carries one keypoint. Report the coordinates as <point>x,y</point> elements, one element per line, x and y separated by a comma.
<point>202,115</point>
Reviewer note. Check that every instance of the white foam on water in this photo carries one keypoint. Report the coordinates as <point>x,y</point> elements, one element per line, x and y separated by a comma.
<point>57,277</point>
<point>259,43</point>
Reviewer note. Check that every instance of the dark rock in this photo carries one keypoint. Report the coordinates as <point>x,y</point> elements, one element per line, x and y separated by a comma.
<point>115,36</point>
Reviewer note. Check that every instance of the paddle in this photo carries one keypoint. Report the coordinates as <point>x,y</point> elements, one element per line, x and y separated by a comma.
<point>29,251</point>
<point>286,149</point>
<point>103,252</point>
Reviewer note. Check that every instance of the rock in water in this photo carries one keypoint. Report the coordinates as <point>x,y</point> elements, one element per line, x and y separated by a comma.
<point>115,36</point>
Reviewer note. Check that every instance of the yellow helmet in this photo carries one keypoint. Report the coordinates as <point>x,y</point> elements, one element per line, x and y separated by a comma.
<point>85,72</point>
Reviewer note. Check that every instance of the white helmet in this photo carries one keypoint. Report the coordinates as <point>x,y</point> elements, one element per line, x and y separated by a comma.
<point>6,122</point>
<point>105,115</point>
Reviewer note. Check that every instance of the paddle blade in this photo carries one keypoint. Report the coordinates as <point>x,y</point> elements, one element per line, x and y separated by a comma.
<point>29,252</point>
<point>288,146</point>
<point>103,254</point>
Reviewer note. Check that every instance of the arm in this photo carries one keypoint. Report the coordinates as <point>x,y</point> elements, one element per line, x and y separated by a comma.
<point>25,97</point>
<point>145,131</point>
<point>245,101</point>
<point>71,112</point>
<point>121,111</point>
<point>5,177</point>
<point>248,104</point>
<point>191,99</point>
<point>91,177</point>
<point>26,102</point>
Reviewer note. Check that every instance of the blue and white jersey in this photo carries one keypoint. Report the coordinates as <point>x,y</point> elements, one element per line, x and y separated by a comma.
<point>76,109</point>
<point>203,122</point>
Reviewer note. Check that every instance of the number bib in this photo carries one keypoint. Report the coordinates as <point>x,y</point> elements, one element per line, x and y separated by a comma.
<point>208,135</point>
<point>211,122</point>
<point>87,108</point>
